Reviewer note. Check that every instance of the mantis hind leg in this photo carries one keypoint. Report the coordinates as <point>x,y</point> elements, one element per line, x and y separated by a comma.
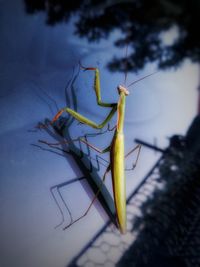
<point>56,189</point>
<point>92,202</point>
<point>137,147</point>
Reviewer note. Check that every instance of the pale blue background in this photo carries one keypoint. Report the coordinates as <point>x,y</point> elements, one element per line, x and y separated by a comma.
<point>35,56</point>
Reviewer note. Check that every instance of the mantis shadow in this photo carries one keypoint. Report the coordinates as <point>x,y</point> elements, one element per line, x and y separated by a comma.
<point>79,161</point>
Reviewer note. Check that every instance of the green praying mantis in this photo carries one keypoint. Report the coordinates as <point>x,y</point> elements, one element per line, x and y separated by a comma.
<point>116,147</point>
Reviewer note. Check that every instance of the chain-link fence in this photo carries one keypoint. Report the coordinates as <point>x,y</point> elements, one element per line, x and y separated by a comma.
<point>108,246</point>
<point>162,219</point>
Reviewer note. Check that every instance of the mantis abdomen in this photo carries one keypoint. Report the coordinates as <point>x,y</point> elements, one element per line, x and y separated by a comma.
<point>118,179</point>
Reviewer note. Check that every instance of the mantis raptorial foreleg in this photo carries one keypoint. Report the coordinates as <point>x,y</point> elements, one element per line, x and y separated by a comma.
<point>82,118</point>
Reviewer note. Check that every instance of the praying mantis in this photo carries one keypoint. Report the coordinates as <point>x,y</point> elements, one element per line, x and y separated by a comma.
<point>116,147</point>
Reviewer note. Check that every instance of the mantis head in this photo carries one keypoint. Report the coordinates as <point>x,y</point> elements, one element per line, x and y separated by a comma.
<point>121,88</point>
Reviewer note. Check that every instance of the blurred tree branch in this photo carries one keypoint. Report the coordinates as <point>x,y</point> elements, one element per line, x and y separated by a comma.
<point>142,23</point>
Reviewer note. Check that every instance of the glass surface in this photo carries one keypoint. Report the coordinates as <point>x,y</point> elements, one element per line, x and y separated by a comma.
<point>37,62</point>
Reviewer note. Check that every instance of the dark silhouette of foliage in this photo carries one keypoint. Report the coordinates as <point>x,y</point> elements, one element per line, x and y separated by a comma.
<point>169,223</point>
<point>141,23</point>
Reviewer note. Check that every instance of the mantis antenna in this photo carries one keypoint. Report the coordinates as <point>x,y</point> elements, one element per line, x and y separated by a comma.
<point>134,82</point>
<point>126,70</point>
